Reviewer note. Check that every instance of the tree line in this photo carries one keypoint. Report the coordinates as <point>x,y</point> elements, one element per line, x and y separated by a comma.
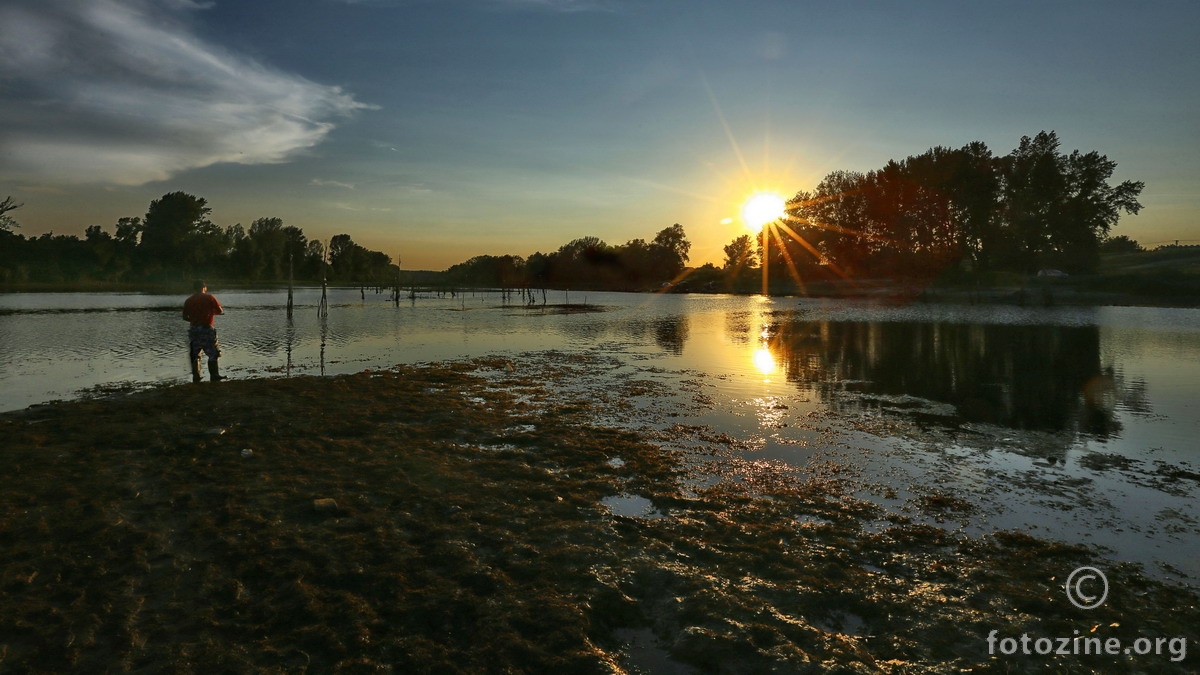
<point>176,241</point>
<point>958,209</point>
<point>587,262</point>
<point>945,209</point>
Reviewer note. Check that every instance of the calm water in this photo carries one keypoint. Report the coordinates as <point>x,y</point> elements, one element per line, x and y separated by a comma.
<point>1075,423</point>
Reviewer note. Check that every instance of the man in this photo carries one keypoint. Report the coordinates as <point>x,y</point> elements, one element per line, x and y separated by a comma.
<point>199,310</point>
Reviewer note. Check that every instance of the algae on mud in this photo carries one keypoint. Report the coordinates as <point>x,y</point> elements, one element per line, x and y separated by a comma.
<point>448,519</point>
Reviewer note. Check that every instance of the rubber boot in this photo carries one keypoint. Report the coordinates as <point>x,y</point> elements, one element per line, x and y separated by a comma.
<point>214,373</point>
<point>196,370</point>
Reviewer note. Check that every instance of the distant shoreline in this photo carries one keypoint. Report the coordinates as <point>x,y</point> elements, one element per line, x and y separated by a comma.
<point>1035,293</point>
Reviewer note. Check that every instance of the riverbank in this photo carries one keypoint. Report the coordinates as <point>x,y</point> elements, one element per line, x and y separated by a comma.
<point>1117,291</point>
<point>462,518</point>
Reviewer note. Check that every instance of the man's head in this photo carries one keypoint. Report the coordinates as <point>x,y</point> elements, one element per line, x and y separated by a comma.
<point>199,286</point>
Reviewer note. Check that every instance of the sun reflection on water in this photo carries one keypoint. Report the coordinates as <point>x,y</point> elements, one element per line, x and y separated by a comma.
<point>764,361</point>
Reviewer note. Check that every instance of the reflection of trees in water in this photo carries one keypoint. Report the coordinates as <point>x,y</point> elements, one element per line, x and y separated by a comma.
<point>1044,378</point>
<point>737,327</point>
<point>671,333</point>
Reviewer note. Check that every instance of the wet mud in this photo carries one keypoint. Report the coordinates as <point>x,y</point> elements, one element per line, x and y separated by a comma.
<point>458,518</point>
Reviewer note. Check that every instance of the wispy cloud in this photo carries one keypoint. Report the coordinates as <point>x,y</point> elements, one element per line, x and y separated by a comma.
<point>320,182</point>
<point>121,91</point>
<point>344,206</point>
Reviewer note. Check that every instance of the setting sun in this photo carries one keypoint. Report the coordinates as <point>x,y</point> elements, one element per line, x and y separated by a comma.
<point>762,208</point>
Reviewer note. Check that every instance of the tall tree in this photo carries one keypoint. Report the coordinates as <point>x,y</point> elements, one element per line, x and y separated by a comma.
<point>834,220</point>
<point>176,233</point>
<point>739,254</point>
<point>1033,188</point>
<point>669,251</point>
<point>1057,208</point>
<point>7,224</point>
<point>974,190</point>
<point>267,243</point>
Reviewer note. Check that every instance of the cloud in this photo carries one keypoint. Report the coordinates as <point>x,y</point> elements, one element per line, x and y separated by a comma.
<point>121,91</point>
<point>320,182</point>
<point>543,5</point>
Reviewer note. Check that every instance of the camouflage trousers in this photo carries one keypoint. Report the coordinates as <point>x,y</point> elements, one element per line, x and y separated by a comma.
<point>203,339</point>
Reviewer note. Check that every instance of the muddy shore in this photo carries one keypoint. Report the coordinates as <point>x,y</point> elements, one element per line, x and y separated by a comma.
<point>452,518</point>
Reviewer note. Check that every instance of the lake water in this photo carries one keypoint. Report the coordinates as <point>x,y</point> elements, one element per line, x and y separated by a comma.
<point>1079,424</point>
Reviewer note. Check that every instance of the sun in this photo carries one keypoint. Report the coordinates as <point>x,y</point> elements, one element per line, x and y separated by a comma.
<point>762,208</point>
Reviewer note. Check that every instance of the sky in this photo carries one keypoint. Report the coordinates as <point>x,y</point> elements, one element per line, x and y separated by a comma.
<point>436,130</point>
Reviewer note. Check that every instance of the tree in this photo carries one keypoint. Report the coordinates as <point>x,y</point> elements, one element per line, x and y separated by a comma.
<point>974,190</point>
<point>350,262</point>
<point>740,260</point>
<point>345,263</point>
<point>1057,208</point>
<point>1120,244</point>
<point>295,245</point>
<point>1034,208</point>
<point>129,231</point>
<point>7,224</point>
<point>177,233</point>
<point>314,260</point>
<point>267,245</point>
<point>587,260</point>
<point>669,252</point>
<point>834,218</point>
<point>739,254</point>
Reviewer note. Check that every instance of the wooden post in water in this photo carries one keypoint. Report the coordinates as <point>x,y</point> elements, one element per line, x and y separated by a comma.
<point>290,281</point>
<point>396,290</point>
<point>323,308</point>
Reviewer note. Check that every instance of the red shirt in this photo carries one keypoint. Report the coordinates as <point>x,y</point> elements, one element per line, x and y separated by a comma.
<point>200,308</point>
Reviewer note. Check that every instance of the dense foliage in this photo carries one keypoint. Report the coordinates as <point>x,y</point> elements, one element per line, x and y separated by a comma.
<point>176,241</point>
<point>587,262</point>
<point>1033,209</point>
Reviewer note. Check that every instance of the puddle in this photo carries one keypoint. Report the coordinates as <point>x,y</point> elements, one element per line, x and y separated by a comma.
<point>644,655</point>
<point>631,506</point>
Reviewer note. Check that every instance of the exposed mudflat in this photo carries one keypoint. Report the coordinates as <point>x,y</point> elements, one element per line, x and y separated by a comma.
<point>480,517</point>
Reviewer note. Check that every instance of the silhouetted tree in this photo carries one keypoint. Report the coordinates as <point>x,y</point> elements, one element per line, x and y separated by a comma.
<point>294,248</point>
<point>1120,244</point>
<point>669,252</point>
<point>1035,207</point>
<point>1059,207</point>
<point>267,244</point>
<point>7,224</point>
<point>177,235</point>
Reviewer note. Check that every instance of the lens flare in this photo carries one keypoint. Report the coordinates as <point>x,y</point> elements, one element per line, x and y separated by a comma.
<point>762,208</point>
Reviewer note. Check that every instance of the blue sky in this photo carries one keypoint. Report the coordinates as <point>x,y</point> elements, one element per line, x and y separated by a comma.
<point>439,129</point>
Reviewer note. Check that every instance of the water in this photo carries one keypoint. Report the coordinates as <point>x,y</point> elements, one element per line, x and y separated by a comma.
<point>1078,424</point>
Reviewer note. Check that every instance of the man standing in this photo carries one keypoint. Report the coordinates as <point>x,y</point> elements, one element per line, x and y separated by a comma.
<point>199,310</point>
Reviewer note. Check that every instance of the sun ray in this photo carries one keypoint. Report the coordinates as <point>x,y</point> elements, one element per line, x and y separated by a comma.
<point>813,250</point>
<point>737,150</point>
